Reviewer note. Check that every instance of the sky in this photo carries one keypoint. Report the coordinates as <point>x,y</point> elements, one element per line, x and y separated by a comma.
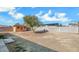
<point>47,15</point>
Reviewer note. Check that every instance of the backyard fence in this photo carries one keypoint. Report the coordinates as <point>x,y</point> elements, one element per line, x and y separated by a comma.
<point>70,29</point>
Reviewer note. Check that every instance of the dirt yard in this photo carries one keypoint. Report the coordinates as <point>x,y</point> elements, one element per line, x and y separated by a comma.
<point>62,42</point>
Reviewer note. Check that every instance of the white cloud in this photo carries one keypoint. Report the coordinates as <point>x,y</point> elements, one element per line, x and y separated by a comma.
<point>39,14</point>
<point>57,16</point>
<point>12,12</point>
<point>54,18</point>
<point>15,14</point>
<point>49,12</point>
<point>18,15</point>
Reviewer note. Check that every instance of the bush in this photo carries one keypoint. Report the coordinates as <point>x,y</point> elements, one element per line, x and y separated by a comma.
<point>2,37</point>
<point>19,48</point>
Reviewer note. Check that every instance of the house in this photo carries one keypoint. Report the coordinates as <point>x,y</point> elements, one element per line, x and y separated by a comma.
<point>20,28</point>
<point>14,28</point>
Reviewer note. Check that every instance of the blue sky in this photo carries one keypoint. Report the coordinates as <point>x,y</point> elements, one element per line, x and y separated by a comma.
<point>47,15</point>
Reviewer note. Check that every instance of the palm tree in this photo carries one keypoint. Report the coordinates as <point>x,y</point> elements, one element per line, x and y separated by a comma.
<point>31,21</point>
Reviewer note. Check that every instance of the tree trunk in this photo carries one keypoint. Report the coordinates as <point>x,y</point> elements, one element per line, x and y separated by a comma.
<point>32,29</point>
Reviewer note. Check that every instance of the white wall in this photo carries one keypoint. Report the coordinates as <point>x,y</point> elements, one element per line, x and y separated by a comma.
<point>70,29</point>
<point>14,29</point>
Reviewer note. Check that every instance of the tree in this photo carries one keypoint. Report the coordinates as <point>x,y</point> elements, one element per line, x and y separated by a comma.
<point>32,21</point>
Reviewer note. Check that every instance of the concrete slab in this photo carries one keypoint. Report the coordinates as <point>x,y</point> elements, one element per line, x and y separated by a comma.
<point>8,40</point>
<point>3,47</point>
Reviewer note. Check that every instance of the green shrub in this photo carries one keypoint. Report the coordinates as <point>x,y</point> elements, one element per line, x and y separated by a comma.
<point>2,37</point>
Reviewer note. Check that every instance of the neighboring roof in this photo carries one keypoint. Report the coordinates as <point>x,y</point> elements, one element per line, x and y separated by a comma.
<point>53,24</point>
<point>18,25</point>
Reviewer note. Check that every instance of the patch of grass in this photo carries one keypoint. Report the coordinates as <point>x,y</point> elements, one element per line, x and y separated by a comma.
<point>18,48</point>
<point>2,37</point>
<point>13,47</point>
